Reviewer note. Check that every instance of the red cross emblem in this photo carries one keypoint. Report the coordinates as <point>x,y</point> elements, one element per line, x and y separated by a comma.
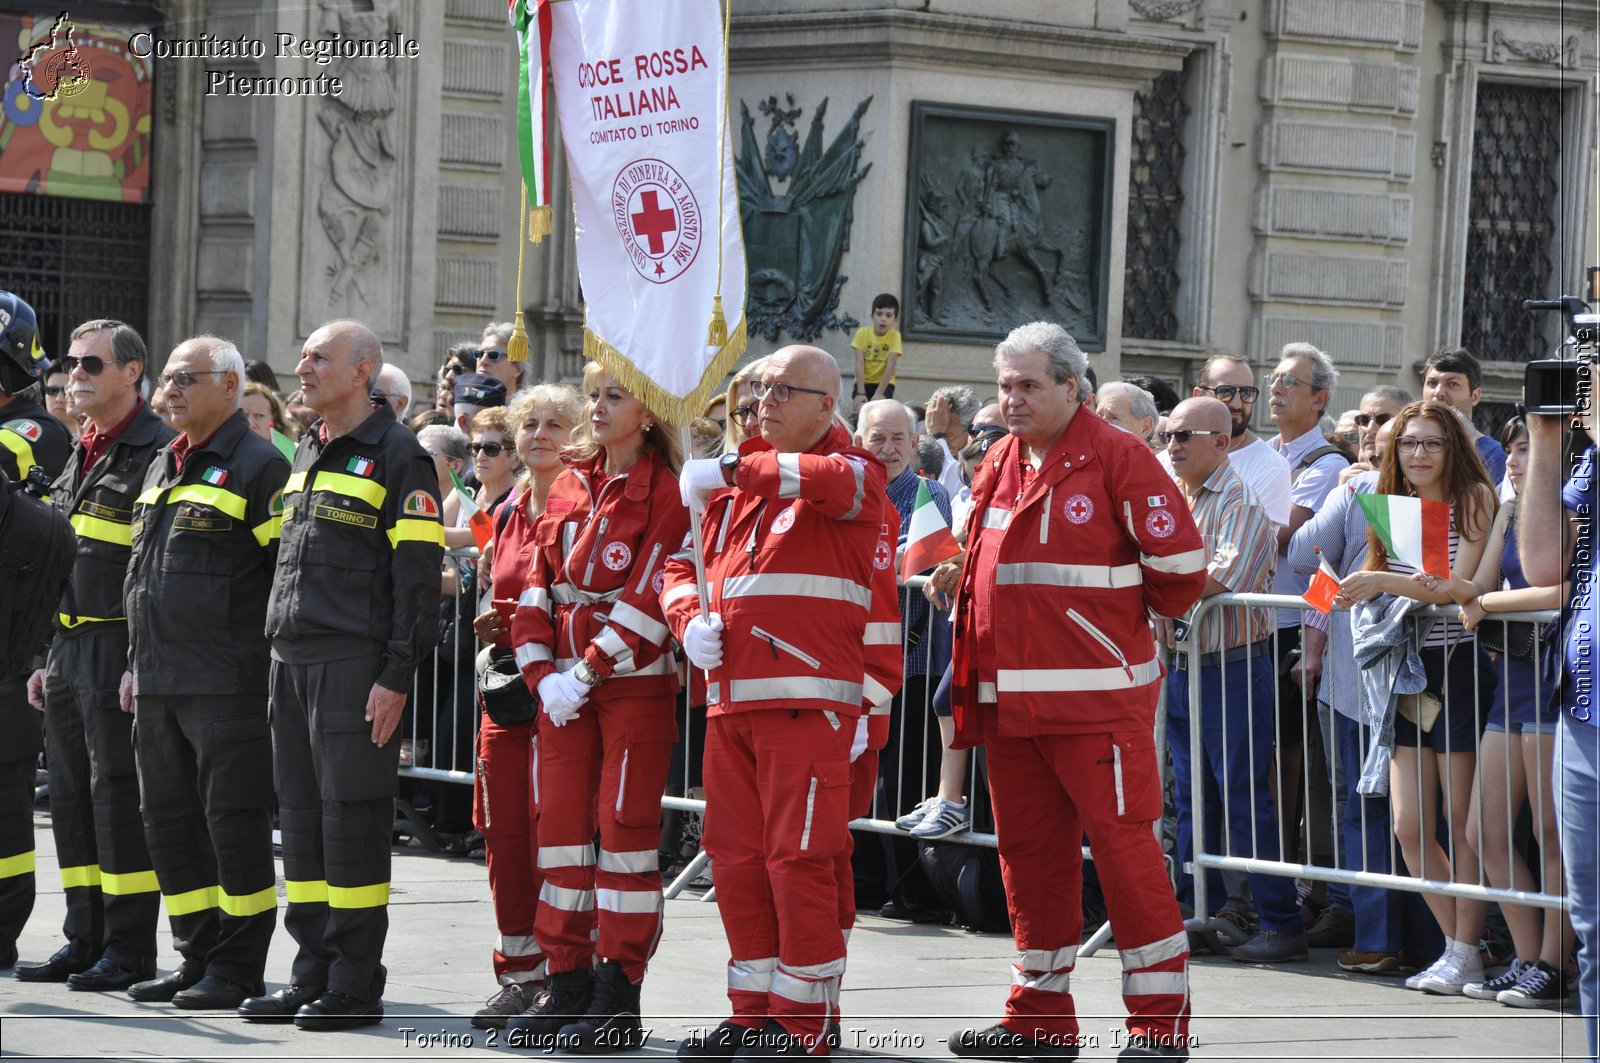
<point>658,218</point>
<point>616,556</point>
<point>654,222</point>
<point>882,556</point>
<point>1160,523</point>
<point>1078,509</point>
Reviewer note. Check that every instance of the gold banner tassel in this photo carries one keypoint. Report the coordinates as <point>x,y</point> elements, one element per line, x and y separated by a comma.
<point>717,334</point>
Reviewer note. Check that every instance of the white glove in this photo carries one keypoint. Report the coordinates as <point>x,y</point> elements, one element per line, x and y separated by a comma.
<point>702,641</point>
<point>700,477</point>
<point>560,693</point>
<point>858,745</point>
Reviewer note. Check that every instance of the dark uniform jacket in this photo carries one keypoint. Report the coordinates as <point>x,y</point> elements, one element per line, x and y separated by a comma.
<point>35,560</point>
<point>30,436</point>
<point>204,543</point>
<point>100,510</point>
<point>362,546</point>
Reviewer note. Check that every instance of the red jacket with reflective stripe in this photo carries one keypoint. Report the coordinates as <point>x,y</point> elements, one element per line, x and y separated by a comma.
<point>885,655</point>
<point>593,590</point>
<point>1059,581</point>
<point>790,565</point>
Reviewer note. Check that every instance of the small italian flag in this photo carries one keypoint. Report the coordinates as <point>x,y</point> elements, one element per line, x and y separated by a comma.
<point>1324,586</point>
<point>477,517</point>
<point>1413,530</point>
<point>530,20</point>
<point>360,466</point>
<point>214,476</point>
<point>929,540</point>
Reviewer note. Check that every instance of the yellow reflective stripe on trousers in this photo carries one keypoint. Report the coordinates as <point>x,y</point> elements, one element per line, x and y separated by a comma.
<point>21,864</point>
<point>190,902</point>
<point>268,530</point>
<point>207,495</point>
<point>106,531</point>
<point>375,896</point>
<point>68,621</point>
<point>127,885</point>
<point>248,904</point>
<point>83,875</point>
<point>18,446</point>
<point>407,530</point>
<point>341,483</point>
<point>306,891</point>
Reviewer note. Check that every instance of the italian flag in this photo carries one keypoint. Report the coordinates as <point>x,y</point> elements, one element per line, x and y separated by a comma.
<point>531,21</point>
<point>477,517</point>
<point>359,466</point>
<point>929,540</point>
<point>214,476</point>
<point>1413,530</point>
<point>1324,586</point>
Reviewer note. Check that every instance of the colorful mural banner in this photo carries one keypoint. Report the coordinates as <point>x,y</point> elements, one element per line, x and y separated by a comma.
<point>76,116</point>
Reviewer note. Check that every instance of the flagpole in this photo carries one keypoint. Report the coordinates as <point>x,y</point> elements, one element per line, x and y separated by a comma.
<point>695,542</point>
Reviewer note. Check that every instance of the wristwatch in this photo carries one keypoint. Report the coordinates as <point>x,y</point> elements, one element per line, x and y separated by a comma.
<point>730,467</point>
<point>584,672</point>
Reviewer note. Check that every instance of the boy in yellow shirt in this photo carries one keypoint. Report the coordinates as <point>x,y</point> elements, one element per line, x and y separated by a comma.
<point>877,351</point>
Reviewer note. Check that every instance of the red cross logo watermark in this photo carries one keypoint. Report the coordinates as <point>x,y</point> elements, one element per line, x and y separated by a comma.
<point>1078,509</point>
<point>1160,523</point>
<point>658,218</point>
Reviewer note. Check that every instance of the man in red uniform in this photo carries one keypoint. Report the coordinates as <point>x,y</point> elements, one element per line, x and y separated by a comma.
<point>789,563</point>
<point>1078,534</point>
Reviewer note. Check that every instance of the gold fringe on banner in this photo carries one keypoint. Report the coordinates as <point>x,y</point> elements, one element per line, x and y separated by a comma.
<point>717,334</point>
<point>663,404</point>
<point>538,223</point>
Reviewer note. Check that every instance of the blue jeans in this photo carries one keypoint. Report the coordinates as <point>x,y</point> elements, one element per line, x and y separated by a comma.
<point>1237,763</point>
<point>1577,775</point>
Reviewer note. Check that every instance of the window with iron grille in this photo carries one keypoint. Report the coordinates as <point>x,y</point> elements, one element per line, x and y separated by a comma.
<point>1511,212</point>
<point>1155,201</point>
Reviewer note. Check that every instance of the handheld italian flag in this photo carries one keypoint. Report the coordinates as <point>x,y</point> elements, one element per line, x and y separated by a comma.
<point>929,540</point>
<point>1413,530</point>
<point>477,517</point>
<point>1324,586</point>
<point>531,21</point>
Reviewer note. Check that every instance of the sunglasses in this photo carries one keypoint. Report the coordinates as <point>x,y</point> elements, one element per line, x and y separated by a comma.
<point>986,430</point>
<point>1182,435</point>
<point>1364,420</point>
<point>742,414</point>
<point>54,389</point>
<point>92,364</point>
<point>184,378</point>
<point>1226,392</point>
<point>487,352</point>
<point>493,450</point>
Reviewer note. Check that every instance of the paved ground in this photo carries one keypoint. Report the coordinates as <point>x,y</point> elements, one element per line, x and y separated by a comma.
<point>908,989</point>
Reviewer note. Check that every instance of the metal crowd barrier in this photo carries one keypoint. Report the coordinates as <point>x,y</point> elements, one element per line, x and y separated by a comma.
<point>1468,878</point>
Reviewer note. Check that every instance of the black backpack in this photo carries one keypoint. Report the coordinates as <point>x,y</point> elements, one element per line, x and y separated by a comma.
<point>967,881</point>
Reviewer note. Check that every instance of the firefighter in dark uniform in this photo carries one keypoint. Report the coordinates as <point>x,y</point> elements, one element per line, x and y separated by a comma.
<point>205,537</point>
<point>28,440</point>
<point>111,891</point>
<point>354,609</point>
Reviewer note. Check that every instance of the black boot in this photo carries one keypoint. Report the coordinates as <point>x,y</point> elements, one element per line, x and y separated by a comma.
<point>612,1023</point>
<point>570,995</point>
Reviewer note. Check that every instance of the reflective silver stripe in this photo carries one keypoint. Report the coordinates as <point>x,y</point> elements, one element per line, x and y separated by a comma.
<point>1169,948</point>
<point>516,945</point>
<point>569,535</point>
<point>1116,776</point>
<point>629,902</point>
<point>535,598</point>
<point>1042,573</point>
<point>570,594</point>
<point>997,519</point>
<point>786,646</point>
<point>640,623</point>
<point>1048,959</point>
<point>566,856</point>
<point>796,687</point>
<point>797,585</point>
<point>533,769</point>
<point>881,708</point>
<point>811,984</point>
<point>713,693</point>
<point>1177,564</point>
<point>536,974</point>
<point>644,577</point>
<point>563,663</point>
<point>1155,983</point>
<point>986,694</point>
<point>811,803</point>
<point>565,899</point>
<point>788,476</point>
<point>860,470</point>
<point>682,590</point>
<point>666,664</point>
<point>1051,680</point>
<point>882,634</point>
<point>529,652</point>
<point>612,645</point>
<point>875,693</point>
<point>1057,982</point>
<point>637,862</point>
<point>1044,521</point>
<point>752,976</point>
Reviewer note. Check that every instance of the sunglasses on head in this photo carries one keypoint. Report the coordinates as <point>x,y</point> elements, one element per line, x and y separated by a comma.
<point>492,450</point>
<point>92,364</point>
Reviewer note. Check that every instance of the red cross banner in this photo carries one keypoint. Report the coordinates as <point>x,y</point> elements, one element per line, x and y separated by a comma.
<point>641,95</point>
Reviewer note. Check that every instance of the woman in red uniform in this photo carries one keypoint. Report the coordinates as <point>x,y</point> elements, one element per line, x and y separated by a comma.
<point>504,810</point>
<point>591,640</point>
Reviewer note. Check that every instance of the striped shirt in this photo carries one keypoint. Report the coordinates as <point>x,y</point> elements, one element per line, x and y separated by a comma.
<point>1243,545</point>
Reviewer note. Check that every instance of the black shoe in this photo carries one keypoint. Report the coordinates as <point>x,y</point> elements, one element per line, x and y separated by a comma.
<point>334,1010</point>
<point>612,1022</point>
<point>56,969</point>
<point>721,1043</point>
<point>571,993</point>
<point>997,1042</point>
<point>773,1042</point>
<point>108,975</point>
<point>162,990</point>
<point>1147,1046</point>
<point>215,993</point>
<point>279,1006</point>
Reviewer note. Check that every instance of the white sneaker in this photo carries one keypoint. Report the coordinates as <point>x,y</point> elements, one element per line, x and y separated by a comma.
<point>1415,981</point>
<point>1490,989</point>
<point>944,819</point>
<point>918,814</point>
<point>1464,968</point>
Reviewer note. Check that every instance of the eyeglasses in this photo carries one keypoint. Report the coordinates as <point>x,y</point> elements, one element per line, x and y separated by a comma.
<point>1431,444</point>
<point>92,364</point>
<point>1288,380</point>
<point>54,389</point>
<point>742,414</point>
<point>487,352</point>
<point>1364,420</point>
<point>1226,392</point>
<point>491,449</point>
<point>184,378</point>
<point>780,392</point>
<point>1181,435</point>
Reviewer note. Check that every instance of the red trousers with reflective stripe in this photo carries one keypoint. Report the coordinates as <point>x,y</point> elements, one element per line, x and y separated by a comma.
<point>505,813</point>
<point>777,807</point>
<point>1107,786</point>
<point>606,770</point>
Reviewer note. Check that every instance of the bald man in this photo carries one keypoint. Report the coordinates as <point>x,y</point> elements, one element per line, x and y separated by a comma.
<point>794,529</point>
<point>1234,674</point>
<point>354,609</point>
